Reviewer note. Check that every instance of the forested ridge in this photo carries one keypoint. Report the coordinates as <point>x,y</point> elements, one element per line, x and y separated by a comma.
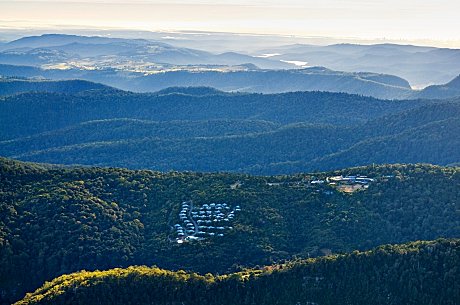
<point>57,220</point>
<point>14,85</point>
<point>247,78</point>
<point>419,273</point>
<point>46,111</point>
<point>202,129</point>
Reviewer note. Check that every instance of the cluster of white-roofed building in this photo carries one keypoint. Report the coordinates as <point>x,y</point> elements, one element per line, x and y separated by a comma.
<point>346,184</point>
<point>207,220</point>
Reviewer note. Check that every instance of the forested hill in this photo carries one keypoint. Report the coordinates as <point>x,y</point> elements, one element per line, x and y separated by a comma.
<point>60,220</point>
<point>244,79</point>
<point>10,85</point>
<point>450,89</point>
<point>418,273</point>
<point>202,129</point>
<point>40,112</point>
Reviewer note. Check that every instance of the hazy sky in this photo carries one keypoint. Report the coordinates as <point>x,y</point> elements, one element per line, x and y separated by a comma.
<point>391,19</point>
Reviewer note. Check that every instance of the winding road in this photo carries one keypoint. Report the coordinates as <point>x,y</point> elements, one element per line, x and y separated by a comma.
<point>189,215</point>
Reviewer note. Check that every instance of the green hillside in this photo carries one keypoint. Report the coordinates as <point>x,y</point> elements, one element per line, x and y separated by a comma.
<point>201,129</point>
<point>40,112</point>
<point>245,135</point>
<point>60,220</point>
<point>414,273</point>
<point>115,130</point>
<point>430,143</point>
<point>221,153</point>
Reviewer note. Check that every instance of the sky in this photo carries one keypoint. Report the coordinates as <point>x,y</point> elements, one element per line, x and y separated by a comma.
<point>435,21</point>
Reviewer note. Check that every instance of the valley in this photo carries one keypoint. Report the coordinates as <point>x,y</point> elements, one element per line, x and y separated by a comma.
<point>213,168</point>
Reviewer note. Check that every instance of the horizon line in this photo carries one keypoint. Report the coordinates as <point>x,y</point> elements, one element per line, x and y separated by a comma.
<point>64,29</point>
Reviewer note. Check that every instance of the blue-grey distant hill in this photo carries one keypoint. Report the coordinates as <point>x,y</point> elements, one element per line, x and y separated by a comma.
<point>252,80</point>
<point>133,64</point>
<point>58,48</point>
<point>9,86</point>
<point>421,66</point>
<point>448,90</point>
<point>263,81</point>
<point>50,40</point>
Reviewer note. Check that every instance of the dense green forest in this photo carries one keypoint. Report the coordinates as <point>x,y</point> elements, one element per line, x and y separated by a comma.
<point>42,111</point>
<point>415,273</point>
<point>254,183</point>
<point>202,129</point>
<point>57,220</point>
<point>289,149</point>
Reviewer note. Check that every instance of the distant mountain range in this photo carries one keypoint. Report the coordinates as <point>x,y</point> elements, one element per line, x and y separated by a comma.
<point>249,80</point>
<point>422,66</point>
<point>146,66</point>
<point>53,49</point>
<point>267,81</point>
<point>202,129</point>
